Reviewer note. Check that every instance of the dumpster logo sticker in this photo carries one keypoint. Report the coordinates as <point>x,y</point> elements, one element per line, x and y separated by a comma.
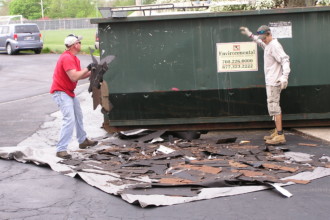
<point>236,48</point>
<point>237,57</point>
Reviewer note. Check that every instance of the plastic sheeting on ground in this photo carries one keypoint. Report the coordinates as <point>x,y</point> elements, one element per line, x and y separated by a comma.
<point>114,183</point>
<point>150,170</point>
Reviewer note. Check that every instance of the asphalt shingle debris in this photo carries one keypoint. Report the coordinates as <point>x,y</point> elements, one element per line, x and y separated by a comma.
<point>180,164</point>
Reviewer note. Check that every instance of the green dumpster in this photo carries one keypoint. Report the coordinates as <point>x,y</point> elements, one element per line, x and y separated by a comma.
<point>198,71</point>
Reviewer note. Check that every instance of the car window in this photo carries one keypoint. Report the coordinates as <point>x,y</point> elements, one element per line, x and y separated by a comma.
<point>4,30</point>
<point>26,29</point>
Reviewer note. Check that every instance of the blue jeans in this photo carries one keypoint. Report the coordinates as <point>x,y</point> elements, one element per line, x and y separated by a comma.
<point>72,117</point>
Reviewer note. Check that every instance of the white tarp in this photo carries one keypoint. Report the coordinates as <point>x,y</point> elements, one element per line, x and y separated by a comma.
<point>101,180</point>
<point>38,149</point>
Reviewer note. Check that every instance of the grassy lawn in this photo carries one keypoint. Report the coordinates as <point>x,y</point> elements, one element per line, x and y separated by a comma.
<point>54,40</point>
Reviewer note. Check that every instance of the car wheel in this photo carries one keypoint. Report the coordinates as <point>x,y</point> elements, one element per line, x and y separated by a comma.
<point>37,51</point>
<point>9,49</point>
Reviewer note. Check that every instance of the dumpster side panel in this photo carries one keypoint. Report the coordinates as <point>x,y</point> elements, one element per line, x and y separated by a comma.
<point>165,71</point>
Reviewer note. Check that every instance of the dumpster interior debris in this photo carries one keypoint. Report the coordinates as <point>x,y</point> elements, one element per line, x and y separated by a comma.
<point>164,167</point>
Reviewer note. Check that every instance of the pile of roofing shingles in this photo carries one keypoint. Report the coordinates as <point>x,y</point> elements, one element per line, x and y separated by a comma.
<point>191,165</point>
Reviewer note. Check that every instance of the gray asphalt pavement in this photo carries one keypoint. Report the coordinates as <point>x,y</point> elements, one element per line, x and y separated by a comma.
<point>31,192</point>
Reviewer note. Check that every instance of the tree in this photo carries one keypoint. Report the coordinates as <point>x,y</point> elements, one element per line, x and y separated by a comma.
<point>30,9</point>
<point>299,3</point>
<point>4,10</point>
<point>148,2</point>
<point>79,8</point>
<point>119,3</point>
<point>56,9</point>
<point>70,9</point>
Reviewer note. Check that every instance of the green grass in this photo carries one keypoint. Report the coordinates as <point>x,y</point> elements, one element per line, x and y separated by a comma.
<point>54,40</point>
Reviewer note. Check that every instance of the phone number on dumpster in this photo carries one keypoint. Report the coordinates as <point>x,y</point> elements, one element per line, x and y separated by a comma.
<point>237,57</point>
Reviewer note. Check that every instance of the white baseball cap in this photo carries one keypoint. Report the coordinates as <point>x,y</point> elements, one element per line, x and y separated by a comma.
<point>72,39</point>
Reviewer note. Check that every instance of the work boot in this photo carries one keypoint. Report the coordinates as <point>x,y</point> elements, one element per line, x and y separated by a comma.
<point>273,133</point>
<point>64,155</point>
<point>277,139</point>
<point>87,143</point>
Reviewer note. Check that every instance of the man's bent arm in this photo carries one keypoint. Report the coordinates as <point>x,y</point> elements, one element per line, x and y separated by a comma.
<point>283,59</point>
<point>75,75</point>
<point>258,41</point>
<point>245,31</point>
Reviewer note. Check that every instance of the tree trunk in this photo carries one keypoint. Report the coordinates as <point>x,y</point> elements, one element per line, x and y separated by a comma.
<point>299,3</point>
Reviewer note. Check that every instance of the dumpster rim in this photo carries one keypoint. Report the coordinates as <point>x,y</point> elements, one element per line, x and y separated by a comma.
<point>211,15</point>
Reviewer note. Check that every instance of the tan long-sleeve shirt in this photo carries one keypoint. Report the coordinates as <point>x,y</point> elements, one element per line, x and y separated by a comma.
<point>276,61</point>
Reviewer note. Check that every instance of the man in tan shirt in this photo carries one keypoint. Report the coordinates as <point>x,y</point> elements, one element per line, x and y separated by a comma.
<point>277,70</point>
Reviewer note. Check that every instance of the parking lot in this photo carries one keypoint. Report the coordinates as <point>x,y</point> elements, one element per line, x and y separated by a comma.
<point>28,191</point>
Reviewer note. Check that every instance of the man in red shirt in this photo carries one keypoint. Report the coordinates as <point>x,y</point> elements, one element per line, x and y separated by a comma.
<point>66,75</point>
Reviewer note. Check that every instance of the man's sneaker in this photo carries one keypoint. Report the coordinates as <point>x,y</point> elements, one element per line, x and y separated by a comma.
<point>87,143</point>
<point>64,155</point>
<point>273,133</point>
<point>278,139</point>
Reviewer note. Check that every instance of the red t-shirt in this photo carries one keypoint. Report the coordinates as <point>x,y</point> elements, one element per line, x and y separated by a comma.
<point>61,80</point>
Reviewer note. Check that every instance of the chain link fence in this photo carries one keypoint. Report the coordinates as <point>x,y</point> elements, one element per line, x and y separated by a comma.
<point>55,24</point>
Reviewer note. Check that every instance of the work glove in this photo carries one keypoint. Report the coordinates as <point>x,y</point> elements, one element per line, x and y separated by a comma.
<point>284,82</point>
<point>245,31</point>
<point>90,66</point>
